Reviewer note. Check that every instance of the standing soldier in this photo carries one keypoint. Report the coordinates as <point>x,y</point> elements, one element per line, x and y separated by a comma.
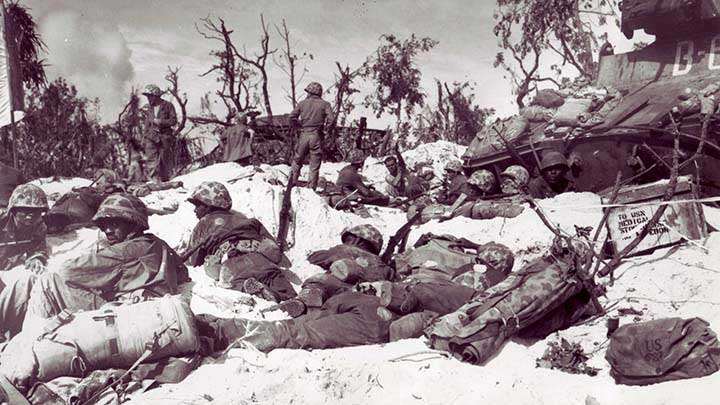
<point>312,115</point>
<point>238,141</point>
<point>158,142</point>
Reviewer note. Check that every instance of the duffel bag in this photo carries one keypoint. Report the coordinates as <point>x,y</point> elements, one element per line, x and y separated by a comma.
<point>114,336</point>
<point>663,350</point>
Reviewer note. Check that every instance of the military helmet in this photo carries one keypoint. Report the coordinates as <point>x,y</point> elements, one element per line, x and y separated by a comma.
<point>483,179</point>
<point>356,156</point>
<point>314,88</point>
<point>553,158</point>
<point>517,173</point>
<point>454,165</point>
<point>28,196</point>
<point>153,90</point>
<point>366,232</point>
<point>123,206</point>
<point>497,256</point>
<point>105,177</point>
<point>213,194</point>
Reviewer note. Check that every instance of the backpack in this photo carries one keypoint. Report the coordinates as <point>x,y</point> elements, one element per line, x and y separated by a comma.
<point>445,251</point>
<point>663,350</point>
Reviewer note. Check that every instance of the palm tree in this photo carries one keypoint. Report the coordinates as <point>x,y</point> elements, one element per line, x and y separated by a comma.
<point>24,39</point>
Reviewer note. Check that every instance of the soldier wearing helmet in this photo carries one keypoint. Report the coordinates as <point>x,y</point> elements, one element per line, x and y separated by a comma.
<point>311,114</point>
<point>355,260</point>
<point>237,141</point>
<point>514,179</point>
<point>78,206</point>
<point>236,250</point>
<point>553,180</point>
<point>158,141</point>
<point>130,265</point>
<point>481,183</point>
<point>352,185</point>
<point>401,183</point>
<point>453,184</point>
<point>22,230</point>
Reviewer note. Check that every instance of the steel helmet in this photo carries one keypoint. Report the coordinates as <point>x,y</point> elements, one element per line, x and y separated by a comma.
<point>28,196</point>
<point>213,194</point>
<point>553,158</point>
<point>153,90</point>
<point>105,177</point>
<point>123,206</point>
<point>454,165</point>
<point>483,179</point>
<point>314,88</point>
<point>356,156</point>
<point>497,256</point>
<point>366,232</point>
<point>517,173</point>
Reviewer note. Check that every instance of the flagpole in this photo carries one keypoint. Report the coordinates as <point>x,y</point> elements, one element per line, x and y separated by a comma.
<point>7,72</point>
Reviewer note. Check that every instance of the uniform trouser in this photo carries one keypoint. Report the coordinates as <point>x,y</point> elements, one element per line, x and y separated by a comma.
<point>327,284</point>
<point>375,198</point>
<point>158,156</point>
<point>235,271</point>
<point>348,319</point>
<point>14,302</point>
<point>308,144</point>
<point>51,294</point>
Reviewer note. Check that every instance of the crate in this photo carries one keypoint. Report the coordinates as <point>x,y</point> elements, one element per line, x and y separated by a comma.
<point>680,221</point>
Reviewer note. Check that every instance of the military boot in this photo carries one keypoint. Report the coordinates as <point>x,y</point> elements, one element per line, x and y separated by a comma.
<point>396,296</point>
<point>253,287</point>
<point>411,326</point>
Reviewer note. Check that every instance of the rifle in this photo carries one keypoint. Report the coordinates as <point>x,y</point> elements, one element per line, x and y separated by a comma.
<point>399,236</point>
<point>283,226</point>
<point>15,243</point>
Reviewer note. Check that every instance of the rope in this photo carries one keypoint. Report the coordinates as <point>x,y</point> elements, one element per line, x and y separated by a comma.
<point>644,204</point>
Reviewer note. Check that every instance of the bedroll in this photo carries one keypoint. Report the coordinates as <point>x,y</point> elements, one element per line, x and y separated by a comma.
<point>476,331</point>
<point>114,336</point>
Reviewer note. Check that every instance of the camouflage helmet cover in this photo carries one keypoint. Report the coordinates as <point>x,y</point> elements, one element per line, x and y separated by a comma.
<point>356,156</point>
<point>497,256</point>
<point>123,206</point>
<point>366,232</point>
<point>517,173</point>
<point>552,159</point>
<point>105,177</point>
<point>314,88</point>
<point>28,196</point>
<point>483,179</point>
<point>213,194</point>
<point>454,165</point>
<point>152,90</point>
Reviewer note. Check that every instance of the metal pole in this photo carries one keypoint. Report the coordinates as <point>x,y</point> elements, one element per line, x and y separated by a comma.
<point>9,84</point>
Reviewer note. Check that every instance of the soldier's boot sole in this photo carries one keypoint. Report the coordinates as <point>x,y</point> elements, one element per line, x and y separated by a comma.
<point>293,307</point>
<point>311,297</point>
<point>253,287</point>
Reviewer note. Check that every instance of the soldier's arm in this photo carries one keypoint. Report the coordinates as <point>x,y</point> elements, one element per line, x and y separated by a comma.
<point>295,114</point>
<point>98,269</point>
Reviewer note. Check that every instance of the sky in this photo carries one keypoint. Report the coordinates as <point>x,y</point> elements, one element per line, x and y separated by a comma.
<point>105,47</point>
